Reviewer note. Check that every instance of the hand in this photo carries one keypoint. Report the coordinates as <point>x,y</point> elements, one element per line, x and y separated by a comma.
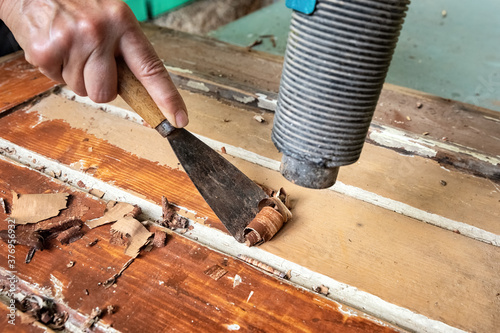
<point>76,42</point>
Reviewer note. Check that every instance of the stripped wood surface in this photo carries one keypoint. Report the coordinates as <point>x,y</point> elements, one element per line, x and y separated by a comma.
<point>167,288</point>
<point>389,255</point>
<point>20,82</point>
<point>417,266</point>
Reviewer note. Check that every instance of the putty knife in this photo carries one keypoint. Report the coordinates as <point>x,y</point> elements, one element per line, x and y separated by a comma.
<point>232,196</point>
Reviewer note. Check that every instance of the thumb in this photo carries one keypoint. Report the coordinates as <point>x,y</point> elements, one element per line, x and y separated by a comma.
<point>142,60</point>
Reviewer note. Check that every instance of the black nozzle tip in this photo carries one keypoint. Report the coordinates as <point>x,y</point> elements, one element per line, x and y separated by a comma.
<point>308,174</point>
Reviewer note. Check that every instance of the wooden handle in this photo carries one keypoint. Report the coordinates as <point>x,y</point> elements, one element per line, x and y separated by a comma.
<point>133,92</point>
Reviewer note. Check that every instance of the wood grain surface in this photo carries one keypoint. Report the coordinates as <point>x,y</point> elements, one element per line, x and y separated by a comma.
<point>165,289</point>
<point>441,274</point>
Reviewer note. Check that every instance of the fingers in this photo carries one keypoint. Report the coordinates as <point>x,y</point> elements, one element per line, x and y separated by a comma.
<point>100,77</point>
<point>75,42</point>
<point>149,70</point>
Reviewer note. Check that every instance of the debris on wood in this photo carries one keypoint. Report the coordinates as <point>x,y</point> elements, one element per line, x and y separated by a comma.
<point>425,133</point>
<point>223,150</point>
<point>265,267</point>
<point>97,193</point>
<point>94,242</point>
<point>35,235</point>
<point>44,310</point>
<point>171,219</point>
<point>70,235</point>
<point>53,227</point>
<point>224,262</point>
<point>32,208</point>
<point>114,212</point>
<point>255,43</point>
<point>273,213</point>
<point>443,182</point>
<point>81,184</point>
<point>70,264</point>
<point>112,280</point>
<point>419,105</point>
<point>93,319</point>
<point>215,272</point>
<point>25,235</point>
<point>263,227</point>
<point>272,38</point>
<point>136,233</point>
<point>86,291</point>
<point>118,238</point>
<point>324,290</point>
<point>29,255</point>
<point>237,281</point>
<point>408,118</point>
<point>160,238</point>
<point>2,204</point>
<point>259,118</point>
<point>110,309</point>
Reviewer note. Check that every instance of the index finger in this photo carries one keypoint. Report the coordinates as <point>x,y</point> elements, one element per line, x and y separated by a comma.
<point>143,61</point>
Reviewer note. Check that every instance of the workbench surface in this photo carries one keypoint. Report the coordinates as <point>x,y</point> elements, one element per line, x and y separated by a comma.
<point>408,239</point>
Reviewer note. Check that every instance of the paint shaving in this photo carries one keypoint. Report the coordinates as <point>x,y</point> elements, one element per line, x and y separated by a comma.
<point>97,193</point>
<point>114,212</point>
<point>135,232</point>
<point>32,208</point>
<point>273,214</point>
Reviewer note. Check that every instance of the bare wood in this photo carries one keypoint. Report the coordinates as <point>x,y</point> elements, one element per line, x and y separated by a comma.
<point>412,180</point>
<point>167,287</point>
<point>20,82</point>
<point>134,93</point>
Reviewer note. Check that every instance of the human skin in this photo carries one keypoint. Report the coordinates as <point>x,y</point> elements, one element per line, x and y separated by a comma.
<point>76,42</point>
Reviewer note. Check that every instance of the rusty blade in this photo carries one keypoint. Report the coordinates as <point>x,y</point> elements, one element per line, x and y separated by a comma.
<point>229,192</point>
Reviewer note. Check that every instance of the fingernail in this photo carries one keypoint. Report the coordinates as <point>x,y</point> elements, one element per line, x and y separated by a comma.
<point>181,118</point>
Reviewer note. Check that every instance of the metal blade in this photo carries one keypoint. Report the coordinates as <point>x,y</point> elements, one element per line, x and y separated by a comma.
<point>231,194</point>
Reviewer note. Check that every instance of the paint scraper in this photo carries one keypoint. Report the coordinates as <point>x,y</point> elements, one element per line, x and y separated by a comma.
<point>230,193</point>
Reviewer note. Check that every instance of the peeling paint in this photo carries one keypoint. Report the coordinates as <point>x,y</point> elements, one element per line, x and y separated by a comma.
<point>58,287</point>
<point>390,138</point>
<point>198,85</point>
<point>265,103</point>
<point>178,70</point>
<point>244,99</point>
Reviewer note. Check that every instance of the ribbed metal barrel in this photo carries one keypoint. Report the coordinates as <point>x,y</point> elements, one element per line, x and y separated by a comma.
<point>335,65</point>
